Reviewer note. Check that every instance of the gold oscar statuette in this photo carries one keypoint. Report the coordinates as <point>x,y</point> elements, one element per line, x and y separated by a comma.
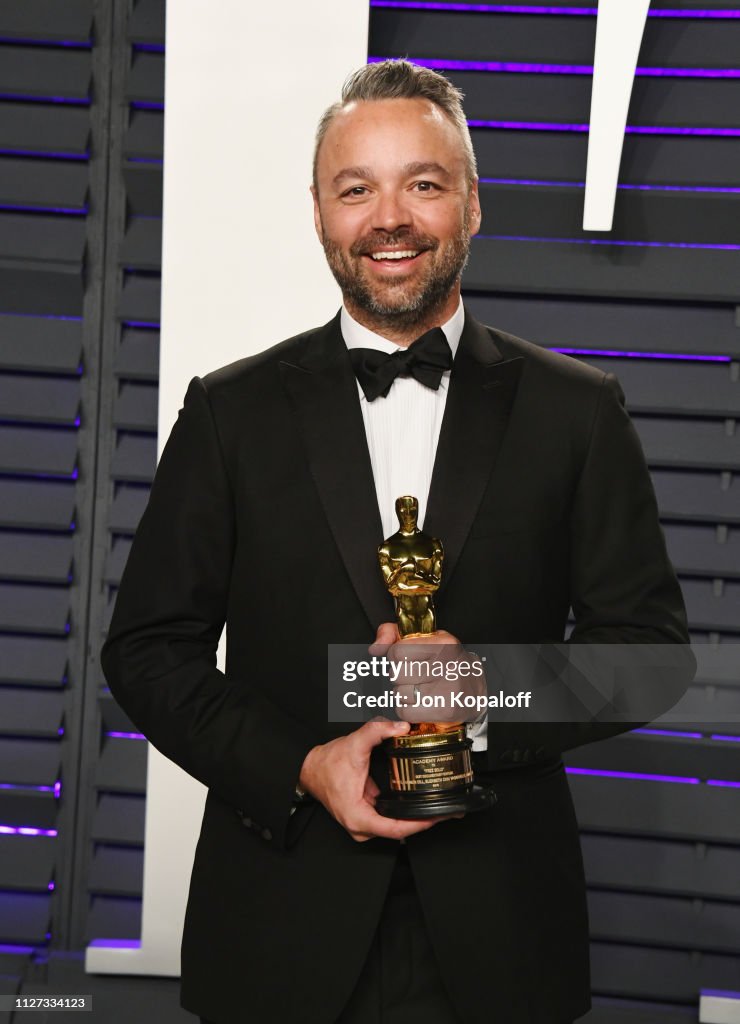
<point>430,767</point>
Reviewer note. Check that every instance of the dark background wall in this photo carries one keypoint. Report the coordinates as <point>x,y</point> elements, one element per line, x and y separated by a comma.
<point>81,113</point>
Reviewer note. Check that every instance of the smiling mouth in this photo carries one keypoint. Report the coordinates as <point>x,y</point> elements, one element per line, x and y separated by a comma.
<point>403,254</point>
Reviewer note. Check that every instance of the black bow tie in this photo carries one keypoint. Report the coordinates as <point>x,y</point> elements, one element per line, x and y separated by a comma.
<point>426,359</point>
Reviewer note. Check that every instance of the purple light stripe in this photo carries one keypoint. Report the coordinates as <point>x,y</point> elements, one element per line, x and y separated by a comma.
<point>40,476</point>
<point>22,830</point>
<point>530,68</point>
<point>45,316</point>
<point>57,789</point>
<point>633,775</point>
<point>73,44</point>
<point>44,154</point>
<point>141,323</point>
<point>731,189</point>
<point>725,739</point>
<point>6,947</point>
<point>723,782</point>
<point>51,887</point>
<point>616,353</point>
<point>424,5</point>
<point>152,105</point>
<point>144,159</point>
<point>552,126</point>
<point>126,735</point>
<point>670,732</point>
<point>116,943</point>
<point>26,786</point>
<point>616,241</point>
<point>67,101</point>
<point>148,47</point>
<point>78,211</point>
<point>720,993</point>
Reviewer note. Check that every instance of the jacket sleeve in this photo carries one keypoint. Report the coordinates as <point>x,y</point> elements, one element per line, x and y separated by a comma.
<point>160,655</point>
<point>623,591</point>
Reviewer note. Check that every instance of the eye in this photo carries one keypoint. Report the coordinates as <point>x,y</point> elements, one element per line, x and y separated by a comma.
<point>426,186</point>
<point>356,190</point>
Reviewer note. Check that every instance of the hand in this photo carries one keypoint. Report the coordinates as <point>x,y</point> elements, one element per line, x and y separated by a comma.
<point>336,774</point>
<point>441,647</point>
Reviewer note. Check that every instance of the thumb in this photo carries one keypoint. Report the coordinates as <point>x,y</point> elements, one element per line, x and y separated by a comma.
<point>372,733</point>
<point>386,636</point>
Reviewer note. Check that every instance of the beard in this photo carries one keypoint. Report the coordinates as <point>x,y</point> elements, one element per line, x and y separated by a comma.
<point>404,301</point>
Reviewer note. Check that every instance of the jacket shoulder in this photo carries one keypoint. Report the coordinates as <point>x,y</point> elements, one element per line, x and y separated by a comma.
<point>543,362</point>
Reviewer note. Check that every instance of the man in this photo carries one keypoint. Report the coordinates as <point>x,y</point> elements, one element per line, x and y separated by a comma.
<point>275,489</point>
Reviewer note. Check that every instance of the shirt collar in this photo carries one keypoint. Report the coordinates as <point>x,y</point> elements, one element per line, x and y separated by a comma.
<point>357,336</point>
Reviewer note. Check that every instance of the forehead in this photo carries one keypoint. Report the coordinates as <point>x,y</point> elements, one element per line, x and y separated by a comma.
<point>383,133</point>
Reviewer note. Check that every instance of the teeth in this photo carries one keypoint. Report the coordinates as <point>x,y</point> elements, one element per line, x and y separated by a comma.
<point>395,255</point>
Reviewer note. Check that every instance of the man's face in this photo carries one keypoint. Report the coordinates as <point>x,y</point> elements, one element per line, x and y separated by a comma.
<point>394,210</point>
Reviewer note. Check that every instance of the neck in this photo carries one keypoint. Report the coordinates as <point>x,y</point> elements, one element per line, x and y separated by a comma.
<point>405,328</point>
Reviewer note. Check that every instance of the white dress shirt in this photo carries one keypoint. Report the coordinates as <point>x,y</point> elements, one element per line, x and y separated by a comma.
<point>402,433</point>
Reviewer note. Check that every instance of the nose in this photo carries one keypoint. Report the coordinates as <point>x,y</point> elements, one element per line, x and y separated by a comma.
<point>390,211</point>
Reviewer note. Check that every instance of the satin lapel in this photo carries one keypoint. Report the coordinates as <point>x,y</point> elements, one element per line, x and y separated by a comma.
<point>483,386</point>
<point>323,391</point>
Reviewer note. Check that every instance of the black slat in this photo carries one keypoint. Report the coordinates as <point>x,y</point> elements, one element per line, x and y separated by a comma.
<point>671,975</point>
<point>116,871</point>
<point>47,20</point>
<point>43,183</point>
<point>140,299</point>
<point>41,609</point>
<point>664,921</point>
<point>693,444</point>
<point>575,268</point>
<point>28,808</point>
<point>681,388</point>
<point>113,916</point>
<point>146,78</point>
<point>142,244</point>
<point>44,128</point>
<point>138,355</point>
<point>135,458</point>
<point>37,504</point>
<point>30,450</point>
<point>39,662</point>
<point>143,184</point>
<point>701,496</point>
<point>27,862</point>
<point>661,755</point>
<point>30,713</point>
<point>611,326</point>
<point>707,610</point>
<point>146,24</point>
<point>29,762</point>
<point>544,39</point>
<point>119,819</point>
<point>669,810</point>
<point>41,237</point>
<point>24,917</point>
<point>653,865</point>
<point>702,550</point>
<point>39,399</point>
<point>127,508</point>
<point>121,766</point>
<point>51,345</point>
<point>45,72</point>
<point>145,135</point>
<point>136,407</point>
<point>557,212</point>
<point>646,159</point>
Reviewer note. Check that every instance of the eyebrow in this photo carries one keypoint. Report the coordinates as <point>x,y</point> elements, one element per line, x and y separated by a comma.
<point>409,170</point>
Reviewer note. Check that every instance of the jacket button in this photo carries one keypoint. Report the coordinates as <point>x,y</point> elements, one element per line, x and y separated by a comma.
<point>266,833</point>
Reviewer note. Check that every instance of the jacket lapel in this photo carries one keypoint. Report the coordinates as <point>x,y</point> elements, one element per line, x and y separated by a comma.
<point>483,386</point>
<point>323,391</point>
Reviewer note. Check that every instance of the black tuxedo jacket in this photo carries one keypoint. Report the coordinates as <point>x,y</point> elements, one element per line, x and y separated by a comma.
<point>263,516</point>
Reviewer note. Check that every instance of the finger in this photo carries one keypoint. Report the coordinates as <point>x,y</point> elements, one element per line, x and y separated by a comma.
<point>372,790</point>
<point>386,636</point>
<point>372,733</point>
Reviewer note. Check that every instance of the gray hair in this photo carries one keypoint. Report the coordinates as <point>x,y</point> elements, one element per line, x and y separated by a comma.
<point>401,80</point>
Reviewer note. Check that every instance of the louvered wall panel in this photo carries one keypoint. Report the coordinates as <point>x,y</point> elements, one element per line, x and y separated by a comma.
<point>652,848</point>
<point>47,437</point>
<point>115,859</point>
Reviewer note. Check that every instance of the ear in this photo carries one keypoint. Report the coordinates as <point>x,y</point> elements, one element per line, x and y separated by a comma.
<point>474,208</point>
<point>317,214</point>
